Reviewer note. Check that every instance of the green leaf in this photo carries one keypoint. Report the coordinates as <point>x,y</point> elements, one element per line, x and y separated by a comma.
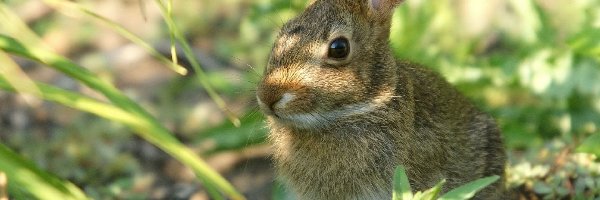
<point>468,190</point>
<point>591,145</point>
<point>433,192</point>
<point>418,195</point>
<point>79,102</point>
<point>402,189</point>
<point>22,173</point>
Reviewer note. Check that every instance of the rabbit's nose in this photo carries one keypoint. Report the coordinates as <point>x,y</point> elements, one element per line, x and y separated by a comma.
<point>278,92</point>
<point>280,102</point>
<point>270,101</point>
<point>268,97</point>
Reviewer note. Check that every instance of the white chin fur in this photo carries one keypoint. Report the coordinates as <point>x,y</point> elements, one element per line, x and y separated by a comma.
<point>316,119</point>
<point>319,118</point>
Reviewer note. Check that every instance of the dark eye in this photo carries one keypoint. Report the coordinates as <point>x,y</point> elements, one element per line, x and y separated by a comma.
<point>339,48</point>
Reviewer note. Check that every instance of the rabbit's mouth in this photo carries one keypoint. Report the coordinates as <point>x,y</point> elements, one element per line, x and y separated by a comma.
<point>318,119</point>
<point>314,118</point>
<point>288,110</point>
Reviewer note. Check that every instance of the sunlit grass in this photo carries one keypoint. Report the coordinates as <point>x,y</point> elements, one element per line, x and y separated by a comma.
<point>24,175</point>
<point>122,109</point>
<point>3,185</point>
<point>148,127</point>
<point>175,37</point>
<point>69,7</point>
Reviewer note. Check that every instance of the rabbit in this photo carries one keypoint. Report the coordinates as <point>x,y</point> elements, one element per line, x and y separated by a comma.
<point>342,112</point>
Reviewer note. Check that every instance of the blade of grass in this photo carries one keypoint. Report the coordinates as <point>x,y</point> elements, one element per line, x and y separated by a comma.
<point>67,7</point>
<point>3,183</point>
<point>70,7</point>
<point>83,103</point>
<point>42,185</point>
<point>418,196</point>
<point>71,69</point>
<point>17,77</point>
<point>468,190</point>
<point>402,189</point>
<point>433,192</point>
<point>202,77</point>
<point>226,137</point>
<point>169,14</point>
<point>153,132</point>
<point>74,100</point>
<point>11,24</point>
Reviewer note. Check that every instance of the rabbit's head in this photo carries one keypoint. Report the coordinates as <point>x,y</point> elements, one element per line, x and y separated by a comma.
<point>329,63</point>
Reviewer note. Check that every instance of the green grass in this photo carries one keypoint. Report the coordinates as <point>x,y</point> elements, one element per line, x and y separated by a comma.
<point>402,190</point>
<point>25,176</point>
<point>121,109</point>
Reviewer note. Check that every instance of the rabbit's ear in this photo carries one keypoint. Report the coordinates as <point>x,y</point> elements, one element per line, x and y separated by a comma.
<point>383,9</point>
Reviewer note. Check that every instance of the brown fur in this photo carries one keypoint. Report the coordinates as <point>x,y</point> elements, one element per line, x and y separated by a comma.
<point>339,127</point>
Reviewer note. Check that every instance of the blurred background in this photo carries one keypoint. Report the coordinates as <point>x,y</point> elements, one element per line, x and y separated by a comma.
<point>532,64</point>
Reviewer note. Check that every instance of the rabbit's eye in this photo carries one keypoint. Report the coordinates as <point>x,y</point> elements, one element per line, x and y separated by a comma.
<point>339,48</point>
